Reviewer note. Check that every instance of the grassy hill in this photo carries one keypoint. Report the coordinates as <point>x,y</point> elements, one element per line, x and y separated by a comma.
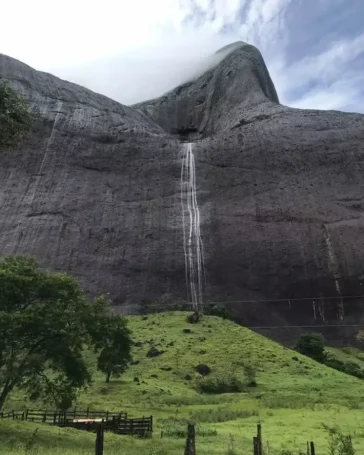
<point>294,396</point>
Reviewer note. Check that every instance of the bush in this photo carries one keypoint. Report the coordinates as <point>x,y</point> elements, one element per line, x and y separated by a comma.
<point>15,119</point>
<point>354,369</point>
<point>350,368</point>
<point>217,310</point>
<point>339,444</point>
<point>332,362</point>
<point>312,345</point>
<point>203,369</point>
<point>250,374</point>
<point>220,384</point>
<point>193,318</point>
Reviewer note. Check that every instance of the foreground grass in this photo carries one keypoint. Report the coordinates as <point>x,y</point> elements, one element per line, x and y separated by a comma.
<point>295,396</point>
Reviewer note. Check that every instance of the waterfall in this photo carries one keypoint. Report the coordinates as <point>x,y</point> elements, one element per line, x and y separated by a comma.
<point>192,241</point>
<point>334,268</point>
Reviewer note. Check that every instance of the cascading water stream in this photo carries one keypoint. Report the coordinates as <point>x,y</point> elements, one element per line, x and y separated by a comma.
<point>192,241</point>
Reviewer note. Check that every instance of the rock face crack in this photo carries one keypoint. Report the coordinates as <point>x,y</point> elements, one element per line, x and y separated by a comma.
<point>37,214</point>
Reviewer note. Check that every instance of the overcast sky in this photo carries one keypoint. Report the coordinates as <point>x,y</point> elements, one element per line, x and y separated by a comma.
<point>133,50</point>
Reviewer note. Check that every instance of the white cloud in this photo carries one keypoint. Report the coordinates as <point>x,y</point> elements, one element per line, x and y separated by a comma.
<point>336,84</point>
<point>47,34</point>
<point>136,49</point>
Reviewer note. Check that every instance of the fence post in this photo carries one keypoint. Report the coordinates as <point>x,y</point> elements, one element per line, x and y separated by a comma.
<point>308,448</point>
<point>99,443</point>
<point>259,437</point>
<point>312,448</point>
<point>255,446</point>
<point>190,441</point>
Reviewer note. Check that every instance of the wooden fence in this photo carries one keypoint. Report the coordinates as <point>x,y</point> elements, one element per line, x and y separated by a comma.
<point>117,422</point>
<point>142,427</point>
<point>190,446</point>
<point>61,417</point>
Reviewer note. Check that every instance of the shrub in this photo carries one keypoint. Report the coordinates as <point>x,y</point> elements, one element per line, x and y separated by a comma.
<point>332,362</point>
<point>351,368</point>
<point>203,369</point>
<point>15,119</point>
<point>193,318</point>
<point>339,444</point>
<point>217,310</point>
<point>354,369</point>
<point>312,345</point>
<point>250,374</point>
<point>219,384</point>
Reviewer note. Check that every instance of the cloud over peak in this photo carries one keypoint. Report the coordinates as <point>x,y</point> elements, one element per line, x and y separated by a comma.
<point>130,51</point>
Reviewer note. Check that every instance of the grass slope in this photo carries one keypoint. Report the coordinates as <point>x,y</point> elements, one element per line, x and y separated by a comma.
<point>294,397</point>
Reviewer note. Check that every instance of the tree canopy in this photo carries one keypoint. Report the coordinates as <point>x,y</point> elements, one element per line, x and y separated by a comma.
<point>15,118</point>
<point>312,345</point>
<point>46,325</point>
<point>115,354</point>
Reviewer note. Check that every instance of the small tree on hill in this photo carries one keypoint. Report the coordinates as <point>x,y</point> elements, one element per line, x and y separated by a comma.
<point>312,345</point>
<point>15,118</point>
<point>46,324</point>
<point>116,353</point>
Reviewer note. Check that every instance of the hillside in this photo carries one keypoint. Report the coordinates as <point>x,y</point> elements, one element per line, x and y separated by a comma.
<point>293,398</point>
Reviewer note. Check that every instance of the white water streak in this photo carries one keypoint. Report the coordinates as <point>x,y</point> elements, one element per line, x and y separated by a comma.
<point>192,241</point>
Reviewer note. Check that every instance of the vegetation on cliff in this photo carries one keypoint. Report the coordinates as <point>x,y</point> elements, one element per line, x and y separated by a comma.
<point>15,117</point>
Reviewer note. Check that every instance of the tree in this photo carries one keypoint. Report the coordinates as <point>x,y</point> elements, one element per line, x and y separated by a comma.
<point>46,324</point>
<point>15,118</point>
<point>116,353</point>
<point>312,345</point>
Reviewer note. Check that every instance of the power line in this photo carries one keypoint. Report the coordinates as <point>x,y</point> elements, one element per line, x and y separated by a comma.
<point>320,326</point>
<point>310,299</point>
<point>228,302</point>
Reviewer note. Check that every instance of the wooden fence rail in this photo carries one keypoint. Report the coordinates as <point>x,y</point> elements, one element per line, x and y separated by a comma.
<point>117,422</point>
<point>61,417</point>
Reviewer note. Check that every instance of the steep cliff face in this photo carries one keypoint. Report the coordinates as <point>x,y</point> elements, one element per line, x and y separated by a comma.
<point>237,89</point>
<point>96,190</point>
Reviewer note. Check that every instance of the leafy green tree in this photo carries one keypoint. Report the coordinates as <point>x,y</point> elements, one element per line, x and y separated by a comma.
<point>312,345</point>
<point>116,353</point>
<point>15,118</point>
<point>46,324</point>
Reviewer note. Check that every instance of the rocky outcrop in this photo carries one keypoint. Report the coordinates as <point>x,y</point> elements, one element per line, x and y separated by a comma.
<point>95,191</point>
<point>235,92</point>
